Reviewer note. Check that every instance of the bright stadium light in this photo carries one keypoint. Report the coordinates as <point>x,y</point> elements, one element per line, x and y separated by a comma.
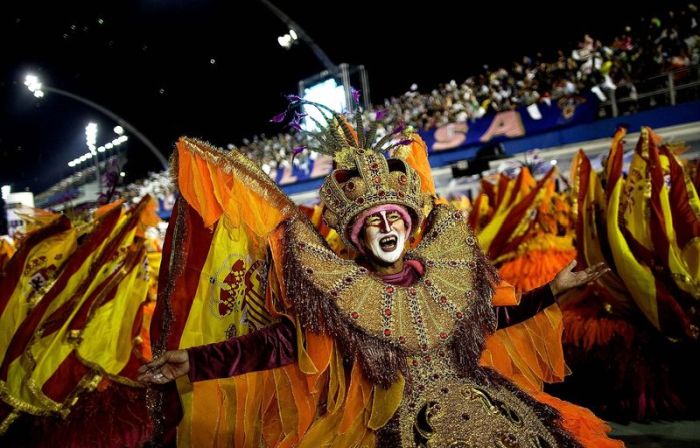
<point>284,41</point>
<point>34,85</point>
<point>91,136</point>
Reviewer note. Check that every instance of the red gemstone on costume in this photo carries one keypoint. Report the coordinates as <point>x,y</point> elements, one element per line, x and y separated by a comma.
<point>443,299</point>
<point>389,289</point>
<point>381,193</point>
<point>360,200</point>
<point>354,314</point>
<point>334,293</point>
<point>412,291</point>
<point>428,358</point>
<point>428,282</point>
<point>374,166</point>
<point>362,270</point>
<point>459,315</point>
<point>402,339</point>
<point>403,179</point>
<point>350,186</point>
<point>387,311</point>
<point>443,335</point>
<point>401,194</point>
<point>415,362</point>
<point>377,180</point>
<point>309,271</point>
<point>348,279</point>
<point>387,332</point>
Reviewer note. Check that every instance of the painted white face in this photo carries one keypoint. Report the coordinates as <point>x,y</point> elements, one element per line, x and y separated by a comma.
<point>385,235</point>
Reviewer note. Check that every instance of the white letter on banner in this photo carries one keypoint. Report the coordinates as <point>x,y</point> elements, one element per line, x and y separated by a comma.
<point>507,124</point>
<point>450,136</point>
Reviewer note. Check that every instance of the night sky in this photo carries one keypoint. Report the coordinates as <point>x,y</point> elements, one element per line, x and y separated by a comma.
<point>214,70</point>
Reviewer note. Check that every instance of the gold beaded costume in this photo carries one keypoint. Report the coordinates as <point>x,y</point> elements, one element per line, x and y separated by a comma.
<point>378,364</point>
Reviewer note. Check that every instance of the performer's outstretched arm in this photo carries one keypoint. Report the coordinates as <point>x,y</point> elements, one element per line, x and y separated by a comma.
<point>531,303</point>
<point>268,348</point>
<point>536,300</point>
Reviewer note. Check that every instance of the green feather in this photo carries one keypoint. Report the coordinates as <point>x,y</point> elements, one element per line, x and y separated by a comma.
<point>359,128</point>
<point>372,133</point>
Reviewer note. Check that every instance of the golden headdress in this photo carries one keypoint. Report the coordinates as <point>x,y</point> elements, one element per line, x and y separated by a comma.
<point>364,177</point>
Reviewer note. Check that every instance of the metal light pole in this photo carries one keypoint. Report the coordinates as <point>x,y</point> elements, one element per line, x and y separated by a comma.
<point>38,89</point>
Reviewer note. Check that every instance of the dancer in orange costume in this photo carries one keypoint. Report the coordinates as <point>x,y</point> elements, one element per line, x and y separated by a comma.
<point>382,350</point>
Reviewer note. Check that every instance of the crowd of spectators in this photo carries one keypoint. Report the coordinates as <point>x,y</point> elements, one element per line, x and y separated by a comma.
<point>654,45</point>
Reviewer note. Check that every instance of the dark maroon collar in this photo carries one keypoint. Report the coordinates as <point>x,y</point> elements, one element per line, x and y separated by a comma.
<point>411,272</point>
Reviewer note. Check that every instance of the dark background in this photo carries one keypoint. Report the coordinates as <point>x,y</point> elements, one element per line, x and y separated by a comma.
<point>150,62</point>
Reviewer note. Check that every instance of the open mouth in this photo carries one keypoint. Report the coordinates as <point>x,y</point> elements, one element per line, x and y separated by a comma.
<point>388,243</point>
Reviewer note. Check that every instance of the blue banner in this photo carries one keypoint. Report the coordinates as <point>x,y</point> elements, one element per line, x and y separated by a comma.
<point>535,119</point>
<point>523,121</point>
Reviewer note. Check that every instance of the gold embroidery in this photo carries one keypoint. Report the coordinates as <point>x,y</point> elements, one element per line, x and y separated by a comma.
<point>418,317</point>
<point>443,407</point>
<point>444,410</point>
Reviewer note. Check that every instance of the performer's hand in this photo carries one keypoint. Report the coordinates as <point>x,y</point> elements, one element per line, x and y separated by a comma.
<point>566,279</point>
<point>171,365</point>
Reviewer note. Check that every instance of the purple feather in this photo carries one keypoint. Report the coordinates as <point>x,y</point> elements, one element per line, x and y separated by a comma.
<point>297,150</point>
<point>379,116</point>
<point>279,118</point>
<point>399,127</point>
<point>405,142</point>
<point>296,122</point>
<point>293,98</point>
<point>355,94</point>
